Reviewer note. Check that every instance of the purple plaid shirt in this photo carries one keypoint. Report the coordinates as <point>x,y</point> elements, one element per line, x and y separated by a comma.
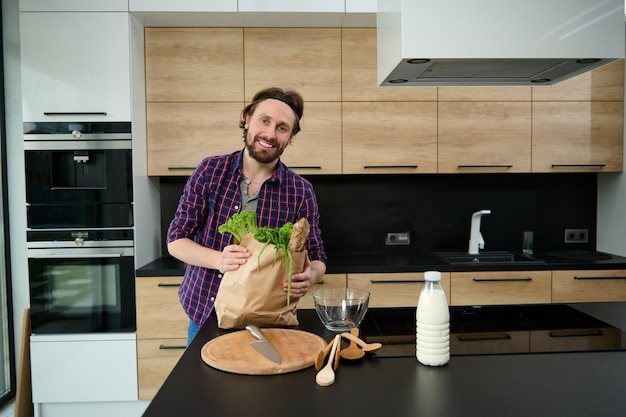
<point>211,196</point>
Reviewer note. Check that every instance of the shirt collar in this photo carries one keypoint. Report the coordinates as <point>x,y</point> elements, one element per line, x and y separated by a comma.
<point>277,176</point>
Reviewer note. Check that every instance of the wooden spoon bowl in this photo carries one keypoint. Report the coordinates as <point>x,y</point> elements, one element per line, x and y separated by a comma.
<point>367,347</point>
<point>353,351</point>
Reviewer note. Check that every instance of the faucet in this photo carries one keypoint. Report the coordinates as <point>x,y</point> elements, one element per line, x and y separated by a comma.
<point>476,240</point>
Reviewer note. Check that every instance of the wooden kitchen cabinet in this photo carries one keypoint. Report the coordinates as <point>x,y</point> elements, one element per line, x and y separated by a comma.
<point>329,281</point>
<point>484,137</point>
<point>75,66</point>
<point>601,84</point>
<point>161,331</point>
<point>194,65</point>
<point>316,149</point>
<point>500,287</point>
<point>588,286</point>
<point>400,289</point>
<point>472,343</point>
<point>180,135</point>
<point>359,79</point>
<point>577,136</point>
<point>563,340</point>
<point>305,59</point>
<point>389,137</point>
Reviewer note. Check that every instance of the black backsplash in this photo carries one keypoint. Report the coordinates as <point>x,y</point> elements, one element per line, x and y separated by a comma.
<point>356,211</point>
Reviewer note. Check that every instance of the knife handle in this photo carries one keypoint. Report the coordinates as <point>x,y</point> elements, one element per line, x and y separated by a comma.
<point>256,332</point>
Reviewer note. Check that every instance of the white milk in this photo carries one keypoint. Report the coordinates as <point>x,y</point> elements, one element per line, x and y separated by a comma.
<point>432,319</point>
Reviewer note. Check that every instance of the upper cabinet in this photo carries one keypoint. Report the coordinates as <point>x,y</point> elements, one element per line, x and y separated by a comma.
<point>194,65</point>
<point>487,137</point>
<point>307,60</point>
<point>578,124</point>
<point>75,66</point>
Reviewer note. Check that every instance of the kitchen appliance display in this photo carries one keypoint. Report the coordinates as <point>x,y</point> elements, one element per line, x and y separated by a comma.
<point>80,227</point>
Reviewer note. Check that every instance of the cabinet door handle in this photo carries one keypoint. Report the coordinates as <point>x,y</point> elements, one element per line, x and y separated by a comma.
<point>396,281</point>
<point>598,277</point>
<point>575,333</point>
<point>166,347</point>
<point>181,168</point>
<point>578,165</point>
<point>480,338</point>
<point>390,166</point>
<point>486,166</point>
<point>305,166</point>
<point>75,113</point>
<point>502,279</point>
<point>165,284</point>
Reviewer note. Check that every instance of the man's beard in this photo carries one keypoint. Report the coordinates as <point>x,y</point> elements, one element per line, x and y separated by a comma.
<point>261,154</point>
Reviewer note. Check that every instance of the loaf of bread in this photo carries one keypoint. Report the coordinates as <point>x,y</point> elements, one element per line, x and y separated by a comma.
<point>299,235</point>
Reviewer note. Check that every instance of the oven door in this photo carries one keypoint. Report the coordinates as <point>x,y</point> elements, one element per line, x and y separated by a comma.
<point>82,290</point>
<point>83,186</point>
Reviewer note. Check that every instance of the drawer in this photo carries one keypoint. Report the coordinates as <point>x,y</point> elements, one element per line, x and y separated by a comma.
<point>492,342</point>
<point>400,289</point>
<point>587,286</point>
<point>155,360</point>
<point>575,339</point>
<point>500,287</point>
<point>159,313</point>
<point>329,281</point>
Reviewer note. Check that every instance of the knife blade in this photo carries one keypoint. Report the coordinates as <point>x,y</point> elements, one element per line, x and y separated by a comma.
<point>263,345</point>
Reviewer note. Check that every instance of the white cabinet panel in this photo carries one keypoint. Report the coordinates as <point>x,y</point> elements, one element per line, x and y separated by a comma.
<point>73,6</point>
<point>84,368</point>
<point>75,62</point>
<point>361,6</point>
<point>330,6</point>
<point>182,6</point>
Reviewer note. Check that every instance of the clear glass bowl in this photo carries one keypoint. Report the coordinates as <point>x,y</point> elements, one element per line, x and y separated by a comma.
<point>341,309</point>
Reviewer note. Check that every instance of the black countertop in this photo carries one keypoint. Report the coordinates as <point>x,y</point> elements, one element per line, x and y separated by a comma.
<point>541,384</point>
<point>409,262</point>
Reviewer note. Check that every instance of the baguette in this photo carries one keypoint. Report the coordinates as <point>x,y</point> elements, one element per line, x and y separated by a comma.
<point>299,235</point>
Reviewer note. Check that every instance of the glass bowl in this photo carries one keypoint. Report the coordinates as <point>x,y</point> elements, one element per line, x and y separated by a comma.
<point>341,309</point>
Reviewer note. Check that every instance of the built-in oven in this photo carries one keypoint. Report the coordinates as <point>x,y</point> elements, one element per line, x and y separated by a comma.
<point>78,175</point>
<point>80,241</point>
<point>82,282</point>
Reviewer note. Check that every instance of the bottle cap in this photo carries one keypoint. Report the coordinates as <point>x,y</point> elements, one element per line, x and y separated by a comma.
<point>432,276</point>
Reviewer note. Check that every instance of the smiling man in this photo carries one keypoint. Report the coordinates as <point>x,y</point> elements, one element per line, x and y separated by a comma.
<point>255,179</point>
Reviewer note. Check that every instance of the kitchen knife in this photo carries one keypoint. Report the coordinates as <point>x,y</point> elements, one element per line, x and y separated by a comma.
<point>263,345</point>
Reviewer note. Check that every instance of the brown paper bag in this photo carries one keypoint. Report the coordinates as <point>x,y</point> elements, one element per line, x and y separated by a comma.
<point>253,293</point>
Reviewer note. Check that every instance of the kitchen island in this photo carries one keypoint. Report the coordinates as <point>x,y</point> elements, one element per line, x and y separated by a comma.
<point>535,384</point>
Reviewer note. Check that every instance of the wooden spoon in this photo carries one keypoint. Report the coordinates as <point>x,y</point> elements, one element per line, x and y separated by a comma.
<point>367,347</point>
<point>326,376</point>
<point>321,355</point>
<point>353,352</point>
<point>337,356</point>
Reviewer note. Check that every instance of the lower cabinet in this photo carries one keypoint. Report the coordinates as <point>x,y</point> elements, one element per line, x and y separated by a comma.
<point>161,331</point>
<point>588,286</point>
<point>80,368</point>
<point>500,287</point>
<point>401,289</point>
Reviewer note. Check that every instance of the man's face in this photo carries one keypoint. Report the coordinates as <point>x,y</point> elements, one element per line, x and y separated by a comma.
<point>270,128</point>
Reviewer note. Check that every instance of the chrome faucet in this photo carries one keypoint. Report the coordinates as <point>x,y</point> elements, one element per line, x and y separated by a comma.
<point>476,240</point>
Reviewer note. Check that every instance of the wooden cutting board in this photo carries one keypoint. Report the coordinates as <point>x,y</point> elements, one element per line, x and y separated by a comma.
<point>232,352</point>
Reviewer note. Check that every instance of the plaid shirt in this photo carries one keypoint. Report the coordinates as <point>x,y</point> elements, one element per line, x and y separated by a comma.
<point>211,196</point>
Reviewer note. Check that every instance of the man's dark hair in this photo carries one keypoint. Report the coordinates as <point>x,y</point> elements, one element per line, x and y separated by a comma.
<point>291,98</point>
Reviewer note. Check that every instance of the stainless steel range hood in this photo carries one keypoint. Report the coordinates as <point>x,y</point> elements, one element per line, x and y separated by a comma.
<point>495,42</point>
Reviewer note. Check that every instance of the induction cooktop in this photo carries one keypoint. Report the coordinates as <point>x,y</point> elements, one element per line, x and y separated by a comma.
<point>489,330</point>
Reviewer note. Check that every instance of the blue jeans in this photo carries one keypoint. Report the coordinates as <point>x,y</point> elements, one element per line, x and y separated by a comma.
<point>192,331</point>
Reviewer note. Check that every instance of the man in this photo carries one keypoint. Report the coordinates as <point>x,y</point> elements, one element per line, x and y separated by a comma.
<point>251,179</point>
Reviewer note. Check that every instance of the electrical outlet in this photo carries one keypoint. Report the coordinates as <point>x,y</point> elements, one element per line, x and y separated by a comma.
<point>576,235</point>
<point>398,238</point>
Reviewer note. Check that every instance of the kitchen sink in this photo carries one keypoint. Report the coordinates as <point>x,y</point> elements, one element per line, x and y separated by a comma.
<point>486,257</point>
